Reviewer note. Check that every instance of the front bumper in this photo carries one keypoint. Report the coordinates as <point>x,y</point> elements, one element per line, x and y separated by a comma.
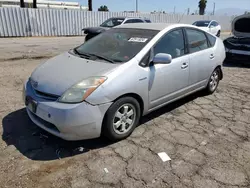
<point>67,121</point>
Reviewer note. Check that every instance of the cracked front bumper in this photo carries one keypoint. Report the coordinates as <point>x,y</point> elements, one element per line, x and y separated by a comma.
<point>67,121</point>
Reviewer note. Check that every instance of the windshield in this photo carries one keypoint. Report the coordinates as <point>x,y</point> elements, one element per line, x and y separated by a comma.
<point>112,22</point>
<point>117,44</point>
<point>201,23</point>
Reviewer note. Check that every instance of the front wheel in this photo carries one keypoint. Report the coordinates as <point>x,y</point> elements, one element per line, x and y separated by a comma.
<point>213,82</point>
<point>121,118</point>
<point>218,34</point>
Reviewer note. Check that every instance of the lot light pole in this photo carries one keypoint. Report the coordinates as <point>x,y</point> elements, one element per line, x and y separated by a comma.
<point>136,6</point>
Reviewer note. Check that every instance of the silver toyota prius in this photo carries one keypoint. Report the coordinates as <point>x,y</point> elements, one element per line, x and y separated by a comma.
<point>105,85</point>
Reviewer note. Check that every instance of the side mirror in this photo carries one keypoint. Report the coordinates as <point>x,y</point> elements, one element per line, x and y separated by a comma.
<point>162,58</point>
<point>211,26</point>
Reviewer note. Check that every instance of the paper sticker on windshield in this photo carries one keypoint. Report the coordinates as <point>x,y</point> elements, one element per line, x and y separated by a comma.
<point>137,39</point>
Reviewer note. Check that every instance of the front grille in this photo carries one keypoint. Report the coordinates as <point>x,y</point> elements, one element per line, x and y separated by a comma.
<point>46,123</point>
<point>46,95</point>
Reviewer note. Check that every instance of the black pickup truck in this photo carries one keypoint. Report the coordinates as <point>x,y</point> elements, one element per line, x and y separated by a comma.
<point>111,22</point>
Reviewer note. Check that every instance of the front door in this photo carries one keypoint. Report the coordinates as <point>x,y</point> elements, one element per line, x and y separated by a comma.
<point>213,28</point>
<point>168,81</point>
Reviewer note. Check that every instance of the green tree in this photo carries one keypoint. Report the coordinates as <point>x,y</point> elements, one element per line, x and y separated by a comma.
<point>202,6</point>
<point>103,8</point>
<point>90,5</point>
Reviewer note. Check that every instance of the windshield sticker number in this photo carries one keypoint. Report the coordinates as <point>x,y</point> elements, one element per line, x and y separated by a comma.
<point>137,39</point>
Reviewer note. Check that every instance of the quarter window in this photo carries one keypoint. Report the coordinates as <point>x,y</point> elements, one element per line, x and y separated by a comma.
<point>211,39</point>
<point>172,43</point>
<point>197,40</point>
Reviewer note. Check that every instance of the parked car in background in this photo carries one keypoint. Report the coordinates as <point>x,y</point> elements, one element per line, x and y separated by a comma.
<point>106,84</point>
<point>210,26</point>
<point>110,23</point>
<point>238,46</point>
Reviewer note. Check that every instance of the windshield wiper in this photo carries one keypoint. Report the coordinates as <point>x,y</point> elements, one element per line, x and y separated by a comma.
<point>101,57</point>
<point>81,54</point>
<point>88,55</point>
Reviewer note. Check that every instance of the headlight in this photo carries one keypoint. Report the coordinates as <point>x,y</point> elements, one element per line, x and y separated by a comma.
<point>82,90</point>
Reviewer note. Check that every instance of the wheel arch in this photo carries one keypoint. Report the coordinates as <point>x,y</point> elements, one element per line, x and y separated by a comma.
<point>220,69</point>
<point>135,96</point>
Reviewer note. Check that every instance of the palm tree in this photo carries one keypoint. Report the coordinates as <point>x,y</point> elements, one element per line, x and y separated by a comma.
<point>202,6</point>
<point>22,3</point>
<point>90,5</point>
<point>34,4</point>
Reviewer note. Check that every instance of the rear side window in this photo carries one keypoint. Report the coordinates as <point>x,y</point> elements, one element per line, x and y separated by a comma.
<point>211,39</point>
<point>134,21</point>
<point>197,40</point>
<point>148,21</point>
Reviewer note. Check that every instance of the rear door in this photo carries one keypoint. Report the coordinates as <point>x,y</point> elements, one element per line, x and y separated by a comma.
<point>201,58</point>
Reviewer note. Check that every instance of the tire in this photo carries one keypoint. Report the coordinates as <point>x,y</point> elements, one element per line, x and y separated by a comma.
<point>213,81</point>
<point>218,34</point>
<point>122,119</point>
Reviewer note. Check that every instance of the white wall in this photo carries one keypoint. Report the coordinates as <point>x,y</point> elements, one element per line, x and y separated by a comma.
<point>16,22</point>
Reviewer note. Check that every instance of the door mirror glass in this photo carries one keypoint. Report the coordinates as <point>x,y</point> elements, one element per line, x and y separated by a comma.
<point>162,58</point>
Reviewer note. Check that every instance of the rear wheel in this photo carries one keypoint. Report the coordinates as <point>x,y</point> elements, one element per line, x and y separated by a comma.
<point>213,81</point>
<point>121,119</point>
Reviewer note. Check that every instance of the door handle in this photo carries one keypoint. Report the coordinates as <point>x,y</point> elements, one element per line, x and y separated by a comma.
<point>211,56</point>
<point>184,65</point>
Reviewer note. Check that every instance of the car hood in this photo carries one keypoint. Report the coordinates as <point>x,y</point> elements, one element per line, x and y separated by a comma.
<point>63,71</point>
<point>95,30</point>
<point>241,26</point>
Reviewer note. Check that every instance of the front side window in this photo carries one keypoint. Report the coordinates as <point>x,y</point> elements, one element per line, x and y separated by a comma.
<point>213,24</point>
<point>117,44</point>
<point>112,22</point>
<point>197,40</point>
<point>172,43</point>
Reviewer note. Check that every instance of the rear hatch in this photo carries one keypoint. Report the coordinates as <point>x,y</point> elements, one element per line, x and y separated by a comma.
<point>241,39</point>
<point>241,26</point>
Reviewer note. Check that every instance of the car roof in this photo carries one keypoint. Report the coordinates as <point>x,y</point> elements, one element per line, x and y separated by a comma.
<point>127,17</point>
<point>204,20</point>
<point>152,26</point>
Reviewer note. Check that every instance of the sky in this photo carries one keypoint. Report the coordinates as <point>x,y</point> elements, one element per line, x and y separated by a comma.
<point>165,5</point>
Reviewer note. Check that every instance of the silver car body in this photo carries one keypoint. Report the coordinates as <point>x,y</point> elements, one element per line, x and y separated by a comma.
<point>153,86</point>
